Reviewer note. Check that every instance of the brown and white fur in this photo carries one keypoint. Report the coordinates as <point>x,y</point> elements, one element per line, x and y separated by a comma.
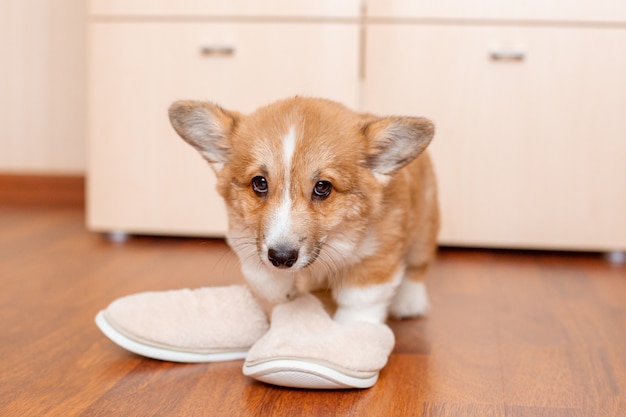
<point>319,195</point>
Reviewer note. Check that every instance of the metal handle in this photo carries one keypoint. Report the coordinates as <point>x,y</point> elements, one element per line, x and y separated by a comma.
<point>217,50</point>
<point>507,55</point>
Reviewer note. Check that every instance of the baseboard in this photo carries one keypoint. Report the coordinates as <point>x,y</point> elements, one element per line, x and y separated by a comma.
<point>42,189</point>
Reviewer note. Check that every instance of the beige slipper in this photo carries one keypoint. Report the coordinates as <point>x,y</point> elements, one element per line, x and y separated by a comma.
<point>306,348</point>
<point>201,325</point>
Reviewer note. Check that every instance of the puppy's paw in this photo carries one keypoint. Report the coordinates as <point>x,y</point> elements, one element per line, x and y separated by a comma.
<point>367,304</point>
<point>278,293</point>
<point>268,286</point>
<point>374,314</point>
<point>411,300</point>
<point>269,301</point>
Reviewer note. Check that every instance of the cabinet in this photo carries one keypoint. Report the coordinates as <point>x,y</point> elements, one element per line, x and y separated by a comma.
<point>141,177</point>
<point>530,147</point>
<point>529,100</point>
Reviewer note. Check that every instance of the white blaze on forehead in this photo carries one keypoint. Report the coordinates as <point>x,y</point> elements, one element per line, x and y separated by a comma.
<point>280,222</point>
<point>289,146</point>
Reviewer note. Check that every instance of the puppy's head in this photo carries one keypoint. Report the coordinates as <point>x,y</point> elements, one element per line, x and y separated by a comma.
<point>300,177</point>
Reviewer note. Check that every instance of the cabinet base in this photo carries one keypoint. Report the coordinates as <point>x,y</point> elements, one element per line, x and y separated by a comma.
<point>616,257</point>
<point>117,236</point>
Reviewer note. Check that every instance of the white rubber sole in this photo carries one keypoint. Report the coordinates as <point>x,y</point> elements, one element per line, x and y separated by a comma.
<point>162,353</point>
<point>297,373</point>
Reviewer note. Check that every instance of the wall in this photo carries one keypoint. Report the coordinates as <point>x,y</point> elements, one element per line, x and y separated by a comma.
<point>42,86</point>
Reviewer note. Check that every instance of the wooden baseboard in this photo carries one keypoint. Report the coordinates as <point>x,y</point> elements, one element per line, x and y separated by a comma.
<point>42,189</point>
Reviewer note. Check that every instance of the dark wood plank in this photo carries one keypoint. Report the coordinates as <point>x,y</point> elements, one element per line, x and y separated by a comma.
<point>42,189</point>
<point>509,334</point>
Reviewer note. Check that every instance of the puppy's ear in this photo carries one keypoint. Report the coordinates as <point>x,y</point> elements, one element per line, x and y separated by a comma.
<point>396,141</point>
<point>205,126</point>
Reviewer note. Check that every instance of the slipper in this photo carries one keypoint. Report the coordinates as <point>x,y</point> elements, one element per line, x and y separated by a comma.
<point>306,348</point>
<point>201,325</point>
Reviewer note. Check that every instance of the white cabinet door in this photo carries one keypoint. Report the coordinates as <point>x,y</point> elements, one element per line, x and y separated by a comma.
<point>530,151</point>
<point>142,178</point>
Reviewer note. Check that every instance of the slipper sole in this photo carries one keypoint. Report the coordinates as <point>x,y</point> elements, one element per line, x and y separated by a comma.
<point>162,353</point>
<point>297,373</point>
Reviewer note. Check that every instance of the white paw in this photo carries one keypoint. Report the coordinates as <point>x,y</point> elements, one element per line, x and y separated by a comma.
<point>278,291</point>
<point>374,314</point>
<point>272,286</point>
<point>363,303</point>
<point>411,300</point>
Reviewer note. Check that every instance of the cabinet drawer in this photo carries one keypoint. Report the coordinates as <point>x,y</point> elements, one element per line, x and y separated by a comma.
<point>266,8</point>
<point>550,10</point>
<point>529,151</point>
<point>142,178</point>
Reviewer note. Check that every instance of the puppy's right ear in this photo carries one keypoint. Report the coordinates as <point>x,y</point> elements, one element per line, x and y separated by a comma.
<point>205,126</point>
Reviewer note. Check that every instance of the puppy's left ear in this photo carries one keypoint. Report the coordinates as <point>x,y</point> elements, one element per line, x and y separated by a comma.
<point>396,141</point>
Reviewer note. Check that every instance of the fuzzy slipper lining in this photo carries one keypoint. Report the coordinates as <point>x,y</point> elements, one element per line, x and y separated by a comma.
<point>202,325</point>
<point>305,348</point>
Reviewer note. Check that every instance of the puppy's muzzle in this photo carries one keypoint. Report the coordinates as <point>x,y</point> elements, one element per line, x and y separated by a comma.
<point>282,256</point>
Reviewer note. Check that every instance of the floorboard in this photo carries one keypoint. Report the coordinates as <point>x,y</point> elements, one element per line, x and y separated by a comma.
<point>510,333</point>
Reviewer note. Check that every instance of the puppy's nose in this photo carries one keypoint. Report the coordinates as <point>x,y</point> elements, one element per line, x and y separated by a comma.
<point>282,257</point>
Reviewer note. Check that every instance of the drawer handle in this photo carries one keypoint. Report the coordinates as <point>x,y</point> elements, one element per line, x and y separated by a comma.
<point>217,50</point>
<point>507,55</point>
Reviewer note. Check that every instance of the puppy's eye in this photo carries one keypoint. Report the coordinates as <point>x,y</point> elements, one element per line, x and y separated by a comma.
<point>322,190</point>
<point>259,185</point>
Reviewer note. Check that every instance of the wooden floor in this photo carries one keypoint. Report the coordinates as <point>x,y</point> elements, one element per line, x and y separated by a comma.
<point>510,334</point>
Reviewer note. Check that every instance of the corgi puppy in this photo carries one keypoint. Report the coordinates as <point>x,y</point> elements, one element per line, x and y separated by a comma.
<point>318,195</point>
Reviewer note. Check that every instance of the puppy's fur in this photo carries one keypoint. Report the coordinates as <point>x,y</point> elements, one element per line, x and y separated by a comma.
<point>318,195</point>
